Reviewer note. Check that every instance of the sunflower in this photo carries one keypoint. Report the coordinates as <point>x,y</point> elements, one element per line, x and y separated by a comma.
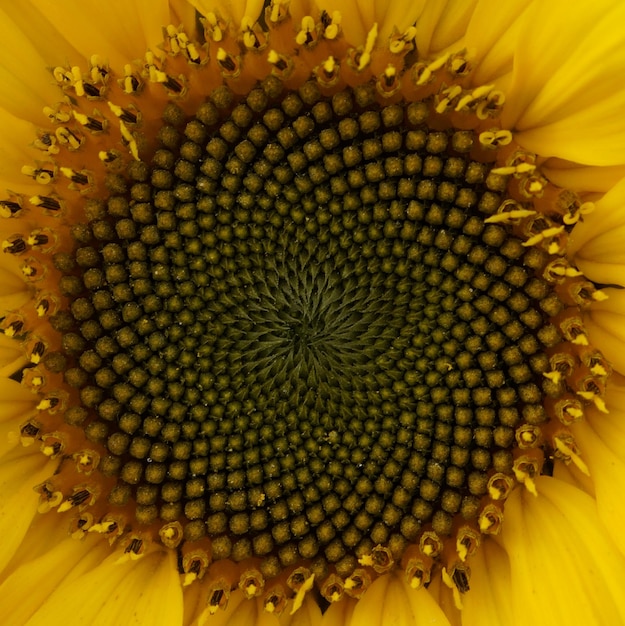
<point>312,312</point>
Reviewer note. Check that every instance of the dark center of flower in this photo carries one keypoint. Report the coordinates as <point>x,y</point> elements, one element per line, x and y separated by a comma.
<point>295,333</point>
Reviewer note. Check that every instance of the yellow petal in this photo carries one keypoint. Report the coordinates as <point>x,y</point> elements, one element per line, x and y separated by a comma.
<point>602,443</point>
<point>309,614</point>
<point>32,582</point>
<point>122,34</point>
<point>564,567</point>
<point>443,24</point>
<point>339,613</point>
<point>390,600</point>
<point>145,592</point>
<point>606,327</point>
<point>233,10</point>
<point>18,501</point>
<point>586,178</point>
<point>486,603</point>
<point>566,98</point>
<point>491,38</point>
<point>239,612</point>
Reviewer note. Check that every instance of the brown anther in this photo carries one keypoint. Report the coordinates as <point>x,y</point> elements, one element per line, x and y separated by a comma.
<point>495,138</point>
<point>49,203</point>
<point>44,175</point>
<point>251,583</point>
<point>581,293</point>
<point>333,588</point>
<point>276,12</point>
<point>59,114</point>
<point>490,107</point>
<point>357,583</point>
<point>131,83</point>
<point>69,138</point>
<point>308,34</point>
<point>282,65</point>
<point>490,519</point>
<point>15,244</point>
<point>171,534</point>
<point>82,497</point>
<point>79,178</point>
<point>29,432</point>
<point>111,526</point>
<point>33,270</point>
<point>528,436</point>
<point>52,444</point>
<point>9,208</point>
<point>418,572</point>
<point>47,143</point>
<point>457,579</point>
<point>33,378</point>
<point>382,559</point>
<point>298,577</point>
<point>388,83</point>
<point>252,35</point>
<point>134,546</point>
<point>274,600</point>
<point>457,64</point>
<point>35,351</point>
<point>195,560</point>
<point>327,73</point>
<point>566,449</point>
<point>49,497</point>
<point>499,486</point>
<point>430,544</point>
<point>568,409</point>
<point>570,324</point>
<point>526,467</point>
<point>467,542</point>
<point>11,325</point>
<point>229,64</point>
<point>51,403</point>
<point>86,461</point>
<point>80,525</point>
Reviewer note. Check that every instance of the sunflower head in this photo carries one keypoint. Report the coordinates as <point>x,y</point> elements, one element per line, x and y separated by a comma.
<point>301,308</point>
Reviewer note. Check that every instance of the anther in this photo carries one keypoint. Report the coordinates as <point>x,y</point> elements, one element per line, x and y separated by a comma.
<point>46,202</point>
<point>331,25</point>
<point>307,35</point>
<point>9,208</point>
<point>42,175</point>
<point>565,447</point>
<point>490,520</point>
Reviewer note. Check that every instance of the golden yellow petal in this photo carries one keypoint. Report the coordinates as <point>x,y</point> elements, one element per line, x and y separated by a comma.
<point>605,323</point>
<point>564,567</point>
<point>34,580</point>
<point>308,615</point>
<point>240,610</point>
<point>234,10</point>
<point>566,98</point>
<point>18,501</point>
<point>583,178</point>
<point>491,38</point>
<point>602,442</point>
<point>485,603</point>
<point>443,24</point>
<point>390,600</point>
<point>339,613</point>
<point>125,27</point>
<point>146,592</point>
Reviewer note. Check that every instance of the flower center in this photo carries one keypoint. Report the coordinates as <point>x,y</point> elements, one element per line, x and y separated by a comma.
<point>313,333</point>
